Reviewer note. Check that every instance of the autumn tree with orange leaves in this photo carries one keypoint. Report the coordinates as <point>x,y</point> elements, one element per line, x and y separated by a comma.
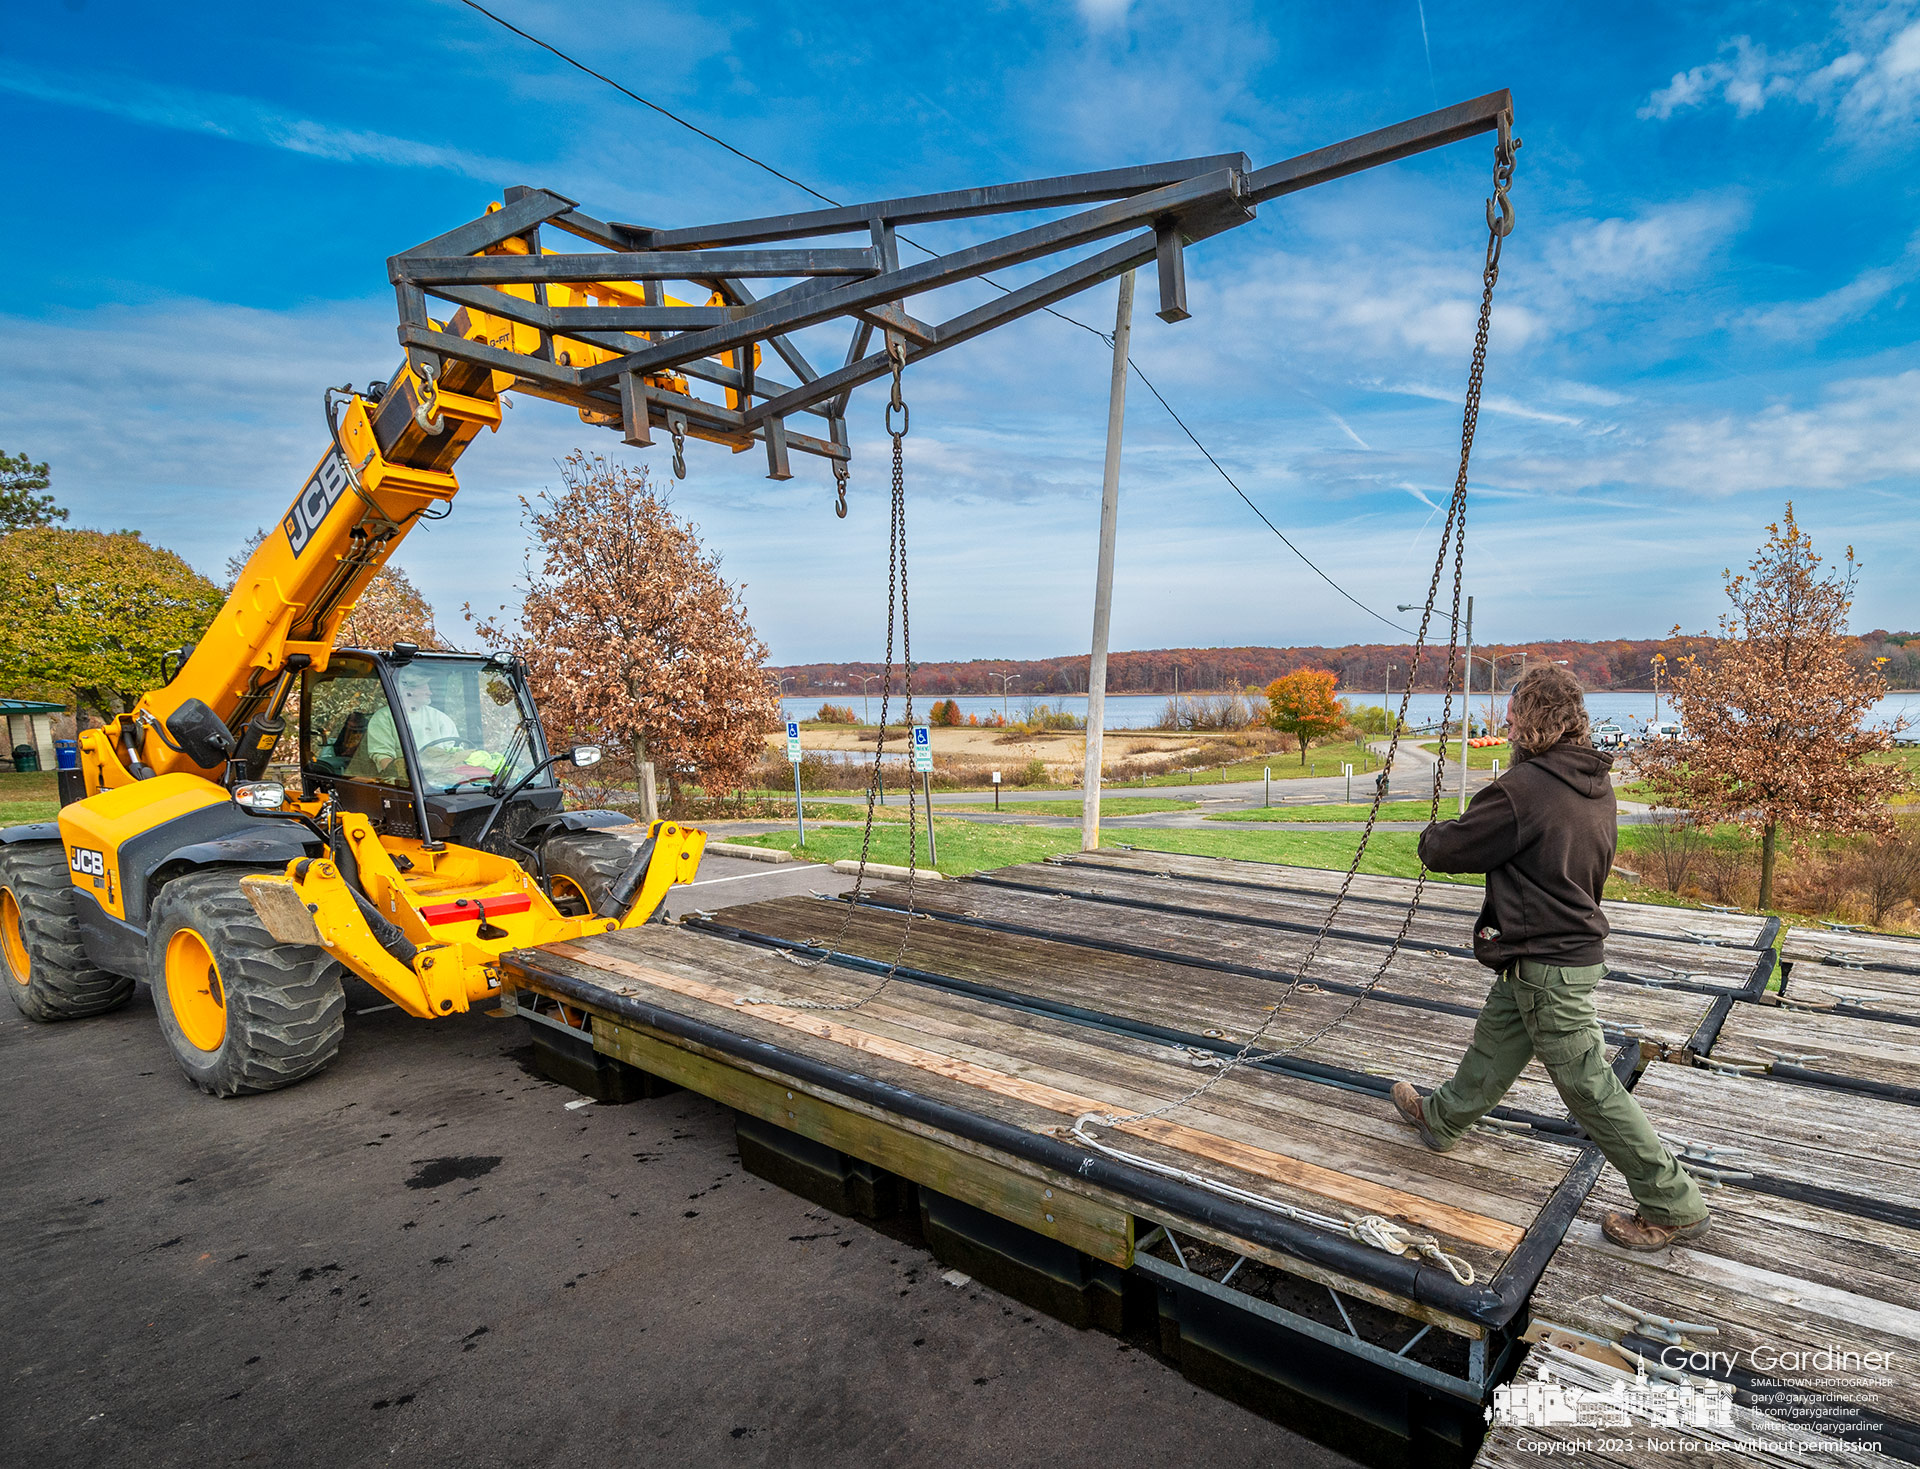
<point>631,638</point>
<point>1301,704</point>
<point>1773,711</point>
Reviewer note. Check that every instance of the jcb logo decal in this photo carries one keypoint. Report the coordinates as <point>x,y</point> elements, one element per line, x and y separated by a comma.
<point>314,501</point>
<point>88,863</point>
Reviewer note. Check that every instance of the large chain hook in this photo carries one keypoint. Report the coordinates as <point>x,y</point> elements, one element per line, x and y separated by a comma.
<point>840,488</point>
<point>678,426</point>
<point>1500,207</point>
<point>897,355</point>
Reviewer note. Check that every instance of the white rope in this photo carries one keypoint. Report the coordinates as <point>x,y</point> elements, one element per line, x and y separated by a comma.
<point>1375,1230</point>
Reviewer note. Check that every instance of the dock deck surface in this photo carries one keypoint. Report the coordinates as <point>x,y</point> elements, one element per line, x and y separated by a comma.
<point>1026,999</point>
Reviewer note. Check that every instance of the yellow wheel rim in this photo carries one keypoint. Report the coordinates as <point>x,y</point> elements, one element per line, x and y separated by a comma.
<point>13,943</point>
<point>569,892</point>
<point>194,990</point>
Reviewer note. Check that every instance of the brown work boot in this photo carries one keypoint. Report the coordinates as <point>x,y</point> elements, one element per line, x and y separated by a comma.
<point>1631,1232</point>
<point>1406,1101</point>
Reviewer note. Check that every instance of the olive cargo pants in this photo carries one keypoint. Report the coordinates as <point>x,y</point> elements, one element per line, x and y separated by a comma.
<point>1547,1011</point>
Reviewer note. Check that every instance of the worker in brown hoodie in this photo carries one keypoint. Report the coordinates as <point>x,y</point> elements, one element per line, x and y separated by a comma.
<point>1544,835</point>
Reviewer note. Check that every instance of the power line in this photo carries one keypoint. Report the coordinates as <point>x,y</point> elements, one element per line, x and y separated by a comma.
<point>788,178</point>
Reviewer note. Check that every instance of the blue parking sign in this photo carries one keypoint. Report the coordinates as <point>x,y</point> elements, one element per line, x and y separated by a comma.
<point>922,750</point>
<point>793,741</point>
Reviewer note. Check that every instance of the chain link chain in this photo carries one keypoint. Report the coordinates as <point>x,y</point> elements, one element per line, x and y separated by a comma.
<point>1452,536</point>
<point>896,597</point>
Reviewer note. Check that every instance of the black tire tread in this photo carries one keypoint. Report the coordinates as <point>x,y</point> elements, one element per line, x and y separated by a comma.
<point>63,983</point>
<point>594,860</point>
<point>286,1006</point>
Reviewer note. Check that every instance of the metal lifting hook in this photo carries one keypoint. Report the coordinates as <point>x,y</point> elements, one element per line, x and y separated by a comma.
<point>1499,207</point>
<point>840,489</point>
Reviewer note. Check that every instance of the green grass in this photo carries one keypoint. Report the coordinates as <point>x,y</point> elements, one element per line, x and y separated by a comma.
<point>33,797</point>
<point>1389,853</point>
<point>1322,760</point>
<point>1480,759</point>
<point>967,846</point>
<point>1109,806</point>
<point>1389,811</point>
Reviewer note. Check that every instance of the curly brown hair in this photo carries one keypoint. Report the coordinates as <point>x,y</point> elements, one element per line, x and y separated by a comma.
<point>1547,707</point>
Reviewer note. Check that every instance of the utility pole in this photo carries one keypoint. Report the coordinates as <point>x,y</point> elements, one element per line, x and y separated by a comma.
<point>1103,575</point>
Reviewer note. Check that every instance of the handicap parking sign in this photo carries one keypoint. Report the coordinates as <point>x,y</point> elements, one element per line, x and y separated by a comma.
<point>793,741</point>
<point>922,750</point>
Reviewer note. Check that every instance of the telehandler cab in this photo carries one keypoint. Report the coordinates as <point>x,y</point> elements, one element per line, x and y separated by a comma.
<point>428,838</point>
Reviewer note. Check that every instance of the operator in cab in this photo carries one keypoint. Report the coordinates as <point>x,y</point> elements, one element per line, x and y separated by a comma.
<point>1544,835</point>
<point>434,731</point>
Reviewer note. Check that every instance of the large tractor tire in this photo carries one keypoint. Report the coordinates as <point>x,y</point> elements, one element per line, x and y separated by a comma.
<point>582,867</point>
<point>48,972</point>
<point>241,1011</point>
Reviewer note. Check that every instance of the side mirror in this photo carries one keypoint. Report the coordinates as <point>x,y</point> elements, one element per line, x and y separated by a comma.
<point>260,795</point>
<point>200,734</point>
<point>584,755</point>
<point>402,654</point>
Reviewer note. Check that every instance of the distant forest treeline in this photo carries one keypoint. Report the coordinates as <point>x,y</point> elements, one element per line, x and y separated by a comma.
<point>1616,664</point>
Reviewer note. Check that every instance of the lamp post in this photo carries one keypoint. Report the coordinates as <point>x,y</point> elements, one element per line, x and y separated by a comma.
<point>1006,679</point>
<point>866,705</point>
<point>1659,667</point>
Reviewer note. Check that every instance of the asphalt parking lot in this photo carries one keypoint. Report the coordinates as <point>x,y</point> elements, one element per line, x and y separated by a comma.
<point>424,1255</point>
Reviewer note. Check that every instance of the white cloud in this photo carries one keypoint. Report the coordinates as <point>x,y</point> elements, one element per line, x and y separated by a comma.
<point>1859,434</point>
<point>1798,320</point>
<point>246,120</point>
<point>1868,74</point>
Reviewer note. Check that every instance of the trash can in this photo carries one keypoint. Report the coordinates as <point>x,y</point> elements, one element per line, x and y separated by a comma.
<point>26,759</point>
<point>66,760</point>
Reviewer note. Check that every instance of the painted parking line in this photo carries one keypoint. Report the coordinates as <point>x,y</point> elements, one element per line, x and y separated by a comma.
<point>742,877</point>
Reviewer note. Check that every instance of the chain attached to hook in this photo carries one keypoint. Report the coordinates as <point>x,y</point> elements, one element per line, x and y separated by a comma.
<point>897,355</point>
<point>677,426</point>
<point>840,488</point>
<point>1500,207</point>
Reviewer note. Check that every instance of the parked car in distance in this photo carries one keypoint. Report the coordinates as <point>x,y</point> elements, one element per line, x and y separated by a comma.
<point>1608,736</point>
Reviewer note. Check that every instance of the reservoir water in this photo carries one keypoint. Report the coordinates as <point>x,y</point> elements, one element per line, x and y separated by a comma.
<point>1143,711</point>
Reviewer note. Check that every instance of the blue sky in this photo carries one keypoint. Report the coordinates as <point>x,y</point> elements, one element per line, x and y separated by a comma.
<point>1708,306</point>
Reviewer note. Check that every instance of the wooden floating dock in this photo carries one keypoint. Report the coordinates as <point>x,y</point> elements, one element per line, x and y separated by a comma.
<point>1815,1247</point>
<point>1237,1226</point>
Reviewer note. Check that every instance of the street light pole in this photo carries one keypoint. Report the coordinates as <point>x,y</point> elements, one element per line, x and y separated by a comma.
<point>866,704</point>
<point>1005,680</point>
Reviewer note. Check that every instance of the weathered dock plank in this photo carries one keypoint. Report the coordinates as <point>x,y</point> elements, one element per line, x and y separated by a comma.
<point>1823,1048</point>
<point>1279,911</point>
<point>1303,1144</point>
<point>1382,1040</point>
<point>1669,1017</point>
<point>1852,948</point>
<point>1651,920</point>
<point>1865,993</point>
<point>1849,1151</point>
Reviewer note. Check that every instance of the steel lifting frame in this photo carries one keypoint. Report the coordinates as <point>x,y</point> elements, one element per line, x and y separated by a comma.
<point>1158,209</point>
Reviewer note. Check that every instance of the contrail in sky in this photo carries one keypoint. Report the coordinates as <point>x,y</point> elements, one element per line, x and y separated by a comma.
<point>1427,46</point>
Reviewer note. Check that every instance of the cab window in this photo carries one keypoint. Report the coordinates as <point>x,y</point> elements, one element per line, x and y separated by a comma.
<point>347,729</point>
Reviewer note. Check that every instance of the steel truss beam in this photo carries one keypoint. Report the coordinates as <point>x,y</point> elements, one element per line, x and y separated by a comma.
<point>496,265</point>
